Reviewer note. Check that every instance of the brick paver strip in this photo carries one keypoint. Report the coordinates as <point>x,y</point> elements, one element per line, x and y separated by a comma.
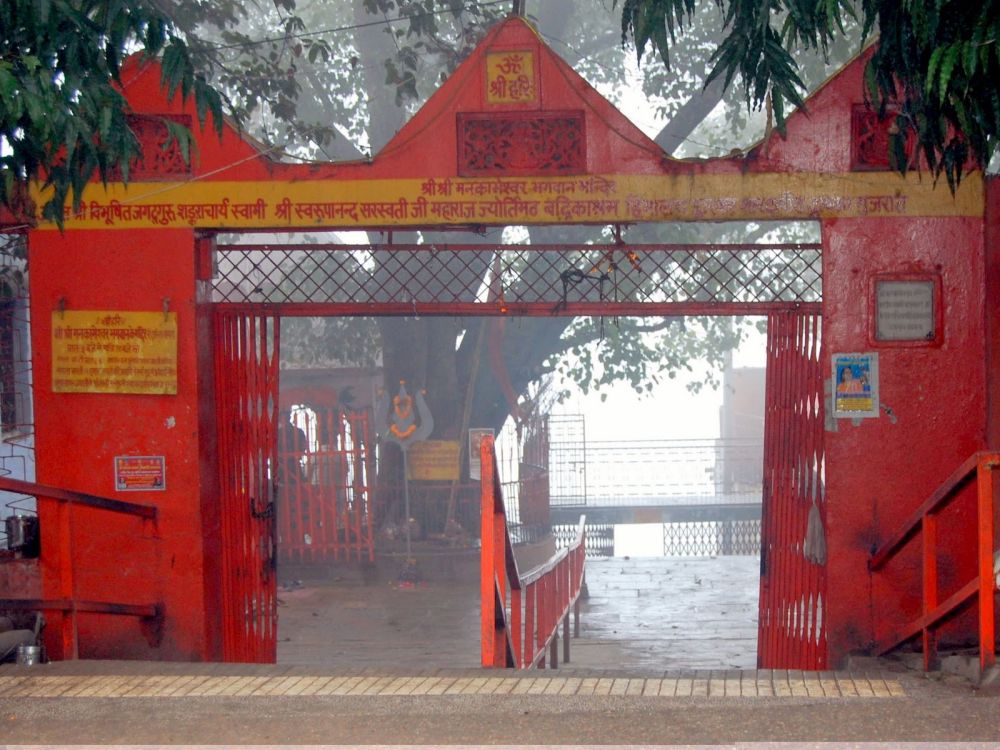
<point>332,686</point>
<point>603,686</point>
<point>240,684</point>
<point>473,687</point>
<point>716,684</point>
<point>797,683</point>
<point>302,686</point>
<point>272,686</point>
<point>895,689</point>
<point>407,687</point>
<point>317,684</point>
<point>733,688</point>
<point>9,684</point>
<point>554,686</point>
<point>142,685</point>
<point>127,685</point>
<point>250,687</point>
<point>764,687</point>
<point>185,687</point>
<point>539,685</point>
<point>384,686</point>
<point>288,686</point>
<point>635,687</point>
<point>813,687</point>
<point>779,680</point>
<point>863,687</point>
<point>442,685</point>
<point>365,685</point>
<point>347,686</point>
<point>880,688</point>
<point>763,683</point>
<point>830,687</point>
<point>619,686</point>
<point>215,685</point>
<point>845,685</point>
<point>410,685</point>
<point>458,686</point>
<point>488,686</point>
<point>508,685</point>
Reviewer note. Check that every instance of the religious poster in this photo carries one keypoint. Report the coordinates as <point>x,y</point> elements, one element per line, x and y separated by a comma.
<point>432,460</point>
<point>138,473</point>
<point>97,351</point>
<point>855,385</point>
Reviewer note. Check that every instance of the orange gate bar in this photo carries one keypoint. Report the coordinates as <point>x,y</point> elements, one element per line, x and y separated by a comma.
<point>522,630</point>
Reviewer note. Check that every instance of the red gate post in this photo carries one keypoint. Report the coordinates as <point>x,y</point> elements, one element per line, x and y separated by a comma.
<point>987,580</point>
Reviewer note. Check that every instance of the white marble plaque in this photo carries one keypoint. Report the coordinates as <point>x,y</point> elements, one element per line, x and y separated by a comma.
<point>904,310</point>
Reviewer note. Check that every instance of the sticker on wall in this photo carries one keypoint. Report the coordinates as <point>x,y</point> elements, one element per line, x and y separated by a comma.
<point>140,473</point>
<point>855,390</point>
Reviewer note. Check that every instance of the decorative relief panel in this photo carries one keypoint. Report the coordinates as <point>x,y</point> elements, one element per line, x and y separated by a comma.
<point>870,139</point>
<point>525,143</point>
<point>156,162</point>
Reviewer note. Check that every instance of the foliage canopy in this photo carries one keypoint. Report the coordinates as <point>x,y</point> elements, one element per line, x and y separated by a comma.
<point>61,118</point>
<point>935,67</point>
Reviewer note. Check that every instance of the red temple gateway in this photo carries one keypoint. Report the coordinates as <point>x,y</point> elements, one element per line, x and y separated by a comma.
<point>908,308</point>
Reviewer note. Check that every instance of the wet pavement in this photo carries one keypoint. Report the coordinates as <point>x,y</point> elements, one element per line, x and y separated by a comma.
<point>364,661</point>
<point>647,614</point>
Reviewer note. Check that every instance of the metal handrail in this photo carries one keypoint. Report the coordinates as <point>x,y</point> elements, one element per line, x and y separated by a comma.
<point>68,604</point>
<point>20,487</point>
<point>522,631</point>
<point>979,467</point>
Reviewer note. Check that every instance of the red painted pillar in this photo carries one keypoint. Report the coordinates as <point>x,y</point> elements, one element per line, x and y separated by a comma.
<point>92,554</point>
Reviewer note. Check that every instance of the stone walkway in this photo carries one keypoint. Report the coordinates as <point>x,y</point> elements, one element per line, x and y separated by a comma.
<point>644,614</point>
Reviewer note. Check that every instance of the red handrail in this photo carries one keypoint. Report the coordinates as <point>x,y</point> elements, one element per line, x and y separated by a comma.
<point>519,631</point>
<point>63,560</point>
<point>978,467</point>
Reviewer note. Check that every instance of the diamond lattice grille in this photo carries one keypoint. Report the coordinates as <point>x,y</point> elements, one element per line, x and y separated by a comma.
<point>529,275</point>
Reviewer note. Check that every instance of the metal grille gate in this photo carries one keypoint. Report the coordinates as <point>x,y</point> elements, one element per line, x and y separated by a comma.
<point>325,490</point>
<point>246,382</point>
<point>254,282</point>
<point>792,629</point>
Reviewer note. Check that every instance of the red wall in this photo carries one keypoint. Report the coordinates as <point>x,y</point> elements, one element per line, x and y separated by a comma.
<point>880,470</point>
<point>121,558</point>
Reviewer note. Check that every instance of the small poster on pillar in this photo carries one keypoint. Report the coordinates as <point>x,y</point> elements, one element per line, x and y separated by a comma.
<point>95,351</point>
<point>855,389</point>
<point>140,473</point>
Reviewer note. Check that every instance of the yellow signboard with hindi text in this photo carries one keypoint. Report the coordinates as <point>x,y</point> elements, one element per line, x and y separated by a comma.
<point>97,351</point>
<point>432,460</point>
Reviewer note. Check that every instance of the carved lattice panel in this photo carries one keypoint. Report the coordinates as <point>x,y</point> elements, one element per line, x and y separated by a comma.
<point>521,143</point>
<point>870,137</point>
<point>157,162</point>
